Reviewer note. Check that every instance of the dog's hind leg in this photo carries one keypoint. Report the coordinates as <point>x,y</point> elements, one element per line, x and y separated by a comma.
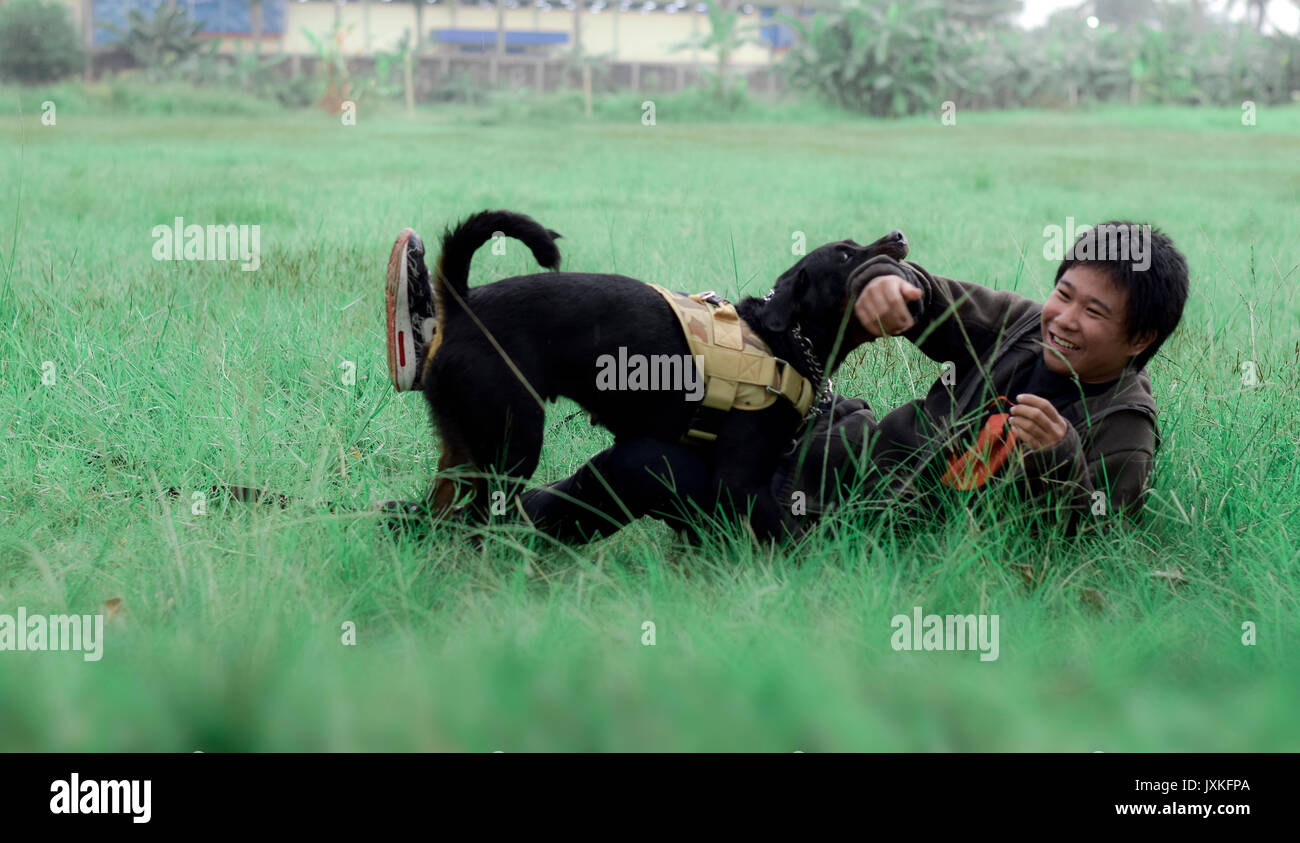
<point>454,483</point>
<point>451,483</point>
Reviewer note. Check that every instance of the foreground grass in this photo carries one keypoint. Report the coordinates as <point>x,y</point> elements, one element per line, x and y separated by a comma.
<point>189,374</point>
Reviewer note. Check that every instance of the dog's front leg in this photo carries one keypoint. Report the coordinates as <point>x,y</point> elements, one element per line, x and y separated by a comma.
<point>748,451</point>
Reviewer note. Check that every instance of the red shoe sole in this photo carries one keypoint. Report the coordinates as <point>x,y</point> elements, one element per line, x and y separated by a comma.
<point>401,348</point>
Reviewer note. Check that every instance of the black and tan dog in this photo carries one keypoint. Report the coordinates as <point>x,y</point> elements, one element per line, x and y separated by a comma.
<point>502,350</point>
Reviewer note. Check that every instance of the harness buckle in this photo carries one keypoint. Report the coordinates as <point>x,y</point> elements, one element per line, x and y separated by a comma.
<point>781,366</point>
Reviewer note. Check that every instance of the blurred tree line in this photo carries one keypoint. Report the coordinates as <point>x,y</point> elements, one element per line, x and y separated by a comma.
<point>888,58</point>
<point>877,57</point>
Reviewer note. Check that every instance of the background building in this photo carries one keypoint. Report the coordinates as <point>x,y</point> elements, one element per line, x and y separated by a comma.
<point>646,31</point>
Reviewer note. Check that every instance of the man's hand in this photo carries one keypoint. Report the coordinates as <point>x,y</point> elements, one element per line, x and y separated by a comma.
<point>1036,423</point>
<point>882,306</point>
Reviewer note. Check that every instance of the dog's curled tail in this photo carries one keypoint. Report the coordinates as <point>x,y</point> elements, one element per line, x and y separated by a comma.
<point>460,243</point>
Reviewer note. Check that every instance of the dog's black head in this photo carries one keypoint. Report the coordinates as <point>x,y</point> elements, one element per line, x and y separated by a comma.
<point>812,296</point>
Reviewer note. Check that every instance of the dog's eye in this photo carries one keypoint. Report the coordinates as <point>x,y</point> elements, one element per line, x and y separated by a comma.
<point>845,254</point>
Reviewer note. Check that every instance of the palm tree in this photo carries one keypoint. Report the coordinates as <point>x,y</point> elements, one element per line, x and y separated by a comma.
<point>158,43</point>
<point>726,35</point>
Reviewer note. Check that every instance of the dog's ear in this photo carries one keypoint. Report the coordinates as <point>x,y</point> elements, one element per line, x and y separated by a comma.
<point>781,310</point>
<point>555,235</point>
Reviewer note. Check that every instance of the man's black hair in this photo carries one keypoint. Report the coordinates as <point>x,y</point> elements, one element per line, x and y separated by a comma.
<point>1156,293</point>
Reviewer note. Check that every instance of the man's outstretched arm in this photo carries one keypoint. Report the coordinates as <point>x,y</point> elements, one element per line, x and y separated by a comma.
<point>946,319</point>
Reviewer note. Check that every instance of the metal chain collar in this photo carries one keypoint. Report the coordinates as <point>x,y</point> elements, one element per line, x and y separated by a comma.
<point>810,357</point>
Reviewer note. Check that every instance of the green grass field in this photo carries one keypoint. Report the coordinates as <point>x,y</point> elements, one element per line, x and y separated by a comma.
<point>186,374</point>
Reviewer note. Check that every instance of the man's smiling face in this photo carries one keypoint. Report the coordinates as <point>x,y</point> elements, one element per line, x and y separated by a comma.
<point>1084,327</point>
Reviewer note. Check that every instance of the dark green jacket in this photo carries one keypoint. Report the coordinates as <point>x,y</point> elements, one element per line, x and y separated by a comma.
<point>987,336</point>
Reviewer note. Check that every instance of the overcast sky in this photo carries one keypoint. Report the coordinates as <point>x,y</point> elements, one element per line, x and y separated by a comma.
<point>1282,12</point>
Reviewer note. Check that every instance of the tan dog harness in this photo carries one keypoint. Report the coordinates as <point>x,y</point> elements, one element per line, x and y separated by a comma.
<point>740,371</point>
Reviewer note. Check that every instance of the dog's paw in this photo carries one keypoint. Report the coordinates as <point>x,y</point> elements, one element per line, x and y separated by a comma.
<point>401,516</point>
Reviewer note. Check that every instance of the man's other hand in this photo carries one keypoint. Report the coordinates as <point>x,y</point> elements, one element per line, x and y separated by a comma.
<point>1036,423</point>
<point>882,306</point>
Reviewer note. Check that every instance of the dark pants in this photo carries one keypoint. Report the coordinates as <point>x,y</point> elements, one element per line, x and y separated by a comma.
<point>631,479</point>
<point>851,457</point>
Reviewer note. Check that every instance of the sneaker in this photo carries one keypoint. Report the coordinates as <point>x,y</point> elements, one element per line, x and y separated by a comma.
<point>408,299</point>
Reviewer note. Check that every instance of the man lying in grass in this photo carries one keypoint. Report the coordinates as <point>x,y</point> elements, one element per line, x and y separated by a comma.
<point>1050,400</point>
